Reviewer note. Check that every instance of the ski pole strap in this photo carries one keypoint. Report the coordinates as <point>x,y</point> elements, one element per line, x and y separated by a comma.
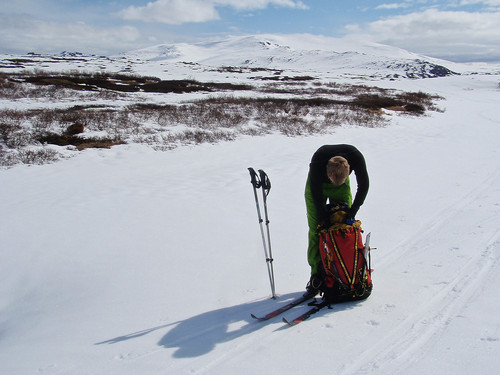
<point>254,178</point>
<point>265,182</point>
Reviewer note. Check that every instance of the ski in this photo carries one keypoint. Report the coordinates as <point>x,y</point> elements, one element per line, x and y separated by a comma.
<point>286,307</point>
<point>307,314</point>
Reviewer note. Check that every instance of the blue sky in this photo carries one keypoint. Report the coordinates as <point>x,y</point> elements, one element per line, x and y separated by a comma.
<point>457,30</point>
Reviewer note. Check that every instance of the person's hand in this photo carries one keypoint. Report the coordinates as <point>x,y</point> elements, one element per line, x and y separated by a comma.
<point>324,223</point>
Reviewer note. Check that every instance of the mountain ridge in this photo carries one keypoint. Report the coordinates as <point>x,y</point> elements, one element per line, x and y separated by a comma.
<point>307,52</point>
<point>293,54</point>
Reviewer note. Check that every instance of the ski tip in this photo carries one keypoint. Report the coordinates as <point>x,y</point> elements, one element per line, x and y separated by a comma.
<point>260,319</point>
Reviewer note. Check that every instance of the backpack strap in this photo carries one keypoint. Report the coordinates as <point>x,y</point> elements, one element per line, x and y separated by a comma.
<point>350,276</point>
<point>332,265</point>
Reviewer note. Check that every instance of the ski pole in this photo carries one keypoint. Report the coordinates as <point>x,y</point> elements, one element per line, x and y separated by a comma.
<point>366,253</point>
<point>266,188</point>
<point>257,184</point>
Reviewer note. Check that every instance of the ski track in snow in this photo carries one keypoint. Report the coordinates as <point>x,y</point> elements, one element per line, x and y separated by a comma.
<point>440,221</point>
<point>406,343</point>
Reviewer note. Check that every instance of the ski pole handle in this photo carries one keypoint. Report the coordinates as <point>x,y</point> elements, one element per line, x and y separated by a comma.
<point>265,182</point>
<point>254,179</point>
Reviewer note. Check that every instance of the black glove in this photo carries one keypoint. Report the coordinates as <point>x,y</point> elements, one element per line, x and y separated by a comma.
<point>324,222</point>
<point>350,213</point>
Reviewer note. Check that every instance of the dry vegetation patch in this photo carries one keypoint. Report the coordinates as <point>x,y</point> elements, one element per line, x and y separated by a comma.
<point>107,110</point>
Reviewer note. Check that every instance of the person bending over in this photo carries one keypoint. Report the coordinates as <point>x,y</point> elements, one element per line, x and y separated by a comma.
<point>328,182</point>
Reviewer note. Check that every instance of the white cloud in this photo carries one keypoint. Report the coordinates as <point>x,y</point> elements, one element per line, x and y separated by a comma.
<point>486,2</point>
<point>24,33</point>
<point>393,6</point>
<point>458,36</point>
<point>177,12</point>
<point>259,4</point>
<point>172,12</point>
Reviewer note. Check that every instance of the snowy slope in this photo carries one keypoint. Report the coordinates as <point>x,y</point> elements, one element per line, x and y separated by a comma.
<point>131,261</point>
<point>326,57</point>
<point>299,52</point>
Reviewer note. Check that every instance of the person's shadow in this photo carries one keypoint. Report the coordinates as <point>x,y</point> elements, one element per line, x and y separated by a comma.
<point>200,334</point>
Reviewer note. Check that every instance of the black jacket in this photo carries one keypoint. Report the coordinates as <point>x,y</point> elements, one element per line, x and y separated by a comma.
<point>318,176</point>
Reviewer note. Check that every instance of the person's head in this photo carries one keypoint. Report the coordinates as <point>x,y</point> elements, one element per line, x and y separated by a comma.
<point>337,170</point>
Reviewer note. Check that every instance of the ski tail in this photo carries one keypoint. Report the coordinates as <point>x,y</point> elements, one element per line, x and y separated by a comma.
<point>297,301</point>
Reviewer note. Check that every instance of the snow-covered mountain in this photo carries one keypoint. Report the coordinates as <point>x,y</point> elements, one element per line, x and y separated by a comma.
<point>329,57</point>
<point>300,52</point>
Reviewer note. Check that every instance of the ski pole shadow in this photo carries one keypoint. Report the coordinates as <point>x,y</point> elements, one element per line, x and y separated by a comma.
<point>134,335</point>
<point>200,334</point>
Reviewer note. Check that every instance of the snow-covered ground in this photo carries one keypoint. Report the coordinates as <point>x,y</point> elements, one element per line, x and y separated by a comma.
<point>131,261</point>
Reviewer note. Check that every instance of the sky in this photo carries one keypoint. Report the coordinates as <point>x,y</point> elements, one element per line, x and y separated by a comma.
<point>456,30</point>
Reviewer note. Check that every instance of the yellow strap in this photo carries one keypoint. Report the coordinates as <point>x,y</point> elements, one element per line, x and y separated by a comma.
<point>351,279</point>
<point>341,261</point>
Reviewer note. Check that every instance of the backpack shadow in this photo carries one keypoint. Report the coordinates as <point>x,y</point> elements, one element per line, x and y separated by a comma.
<point>200,334</point>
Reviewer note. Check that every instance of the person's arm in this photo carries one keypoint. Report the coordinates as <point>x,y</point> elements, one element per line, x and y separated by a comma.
<point>316,179</point>
<point>363,184</point>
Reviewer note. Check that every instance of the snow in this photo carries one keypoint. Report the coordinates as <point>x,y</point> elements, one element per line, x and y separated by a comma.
<point>132,261</point>
<point>282,46</point>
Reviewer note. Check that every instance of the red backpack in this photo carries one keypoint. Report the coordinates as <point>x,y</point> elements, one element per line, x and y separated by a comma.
<point>346,261</point>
